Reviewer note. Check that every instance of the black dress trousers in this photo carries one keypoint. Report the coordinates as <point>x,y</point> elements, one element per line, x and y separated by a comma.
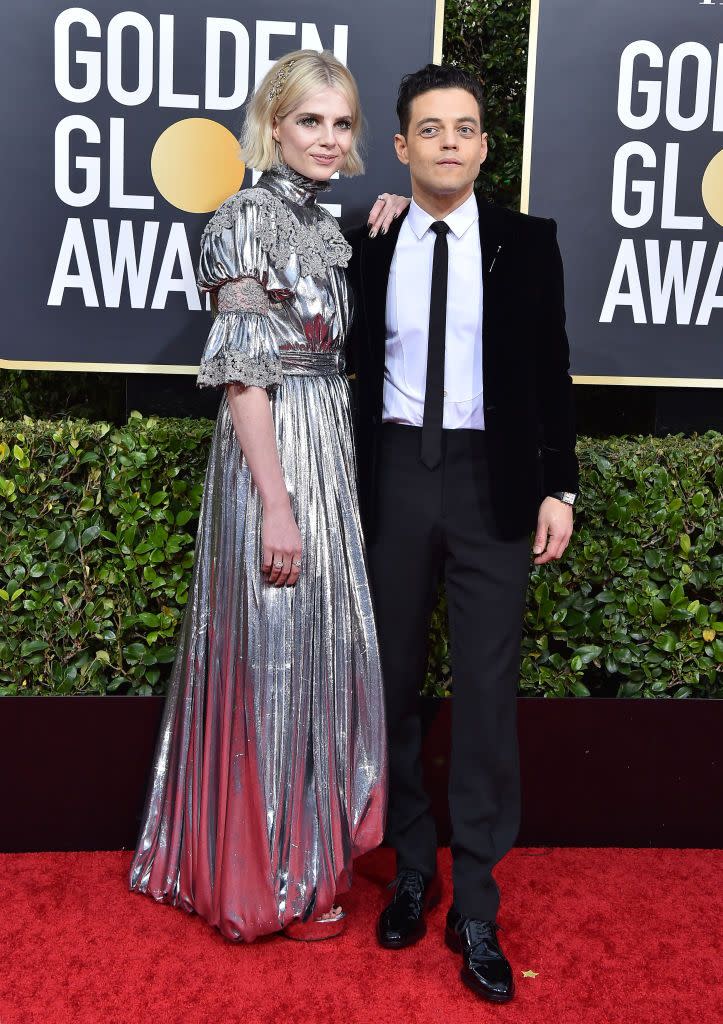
<point>432,524</point>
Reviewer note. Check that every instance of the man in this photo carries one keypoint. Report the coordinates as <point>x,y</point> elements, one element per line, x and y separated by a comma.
<point>466,443</point>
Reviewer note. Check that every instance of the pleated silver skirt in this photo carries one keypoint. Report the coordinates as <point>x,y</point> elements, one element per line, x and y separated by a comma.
<point>270,771</point>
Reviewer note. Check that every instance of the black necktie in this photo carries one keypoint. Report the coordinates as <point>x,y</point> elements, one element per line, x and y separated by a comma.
<point>431,452</point>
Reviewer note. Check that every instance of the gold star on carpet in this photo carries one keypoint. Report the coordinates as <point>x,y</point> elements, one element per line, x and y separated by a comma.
<point>530,974</point>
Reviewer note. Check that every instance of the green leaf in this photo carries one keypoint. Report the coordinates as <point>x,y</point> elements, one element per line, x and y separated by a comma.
<point>630,689</point>
<point>660,612</point>
<point>666,642</point>
<point>158,536</point>
<point>588,653</point>
<point>88,535</point>
<point>579,689</point>
<point>32,647</point>
<point>677,595</point>
<point>56,539</point>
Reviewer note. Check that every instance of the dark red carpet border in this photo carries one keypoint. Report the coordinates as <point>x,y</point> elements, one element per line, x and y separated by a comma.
<point>606,936</point>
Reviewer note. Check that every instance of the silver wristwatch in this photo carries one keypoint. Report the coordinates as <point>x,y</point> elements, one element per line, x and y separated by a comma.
<point>568,497</point>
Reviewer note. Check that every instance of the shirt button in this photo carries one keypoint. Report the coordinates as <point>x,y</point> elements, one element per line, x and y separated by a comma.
<point>444,393</point>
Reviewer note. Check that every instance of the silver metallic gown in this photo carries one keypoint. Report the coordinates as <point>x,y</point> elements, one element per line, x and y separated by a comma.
<point>270,771</point>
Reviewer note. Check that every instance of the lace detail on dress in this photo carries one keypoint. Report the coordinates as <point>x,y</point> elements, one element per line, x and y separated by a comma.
<point>281,236</point>
<point>234,368</point>
<point>246,295</point>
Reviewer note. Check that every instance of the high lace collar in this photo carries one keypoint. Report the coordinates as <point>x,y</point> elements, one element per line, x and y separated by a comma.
<point>295,187</point>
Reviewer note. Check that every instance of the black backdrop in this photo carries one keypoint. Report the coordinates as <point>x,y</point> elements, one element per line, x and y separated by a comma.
<point>87,93</point>
<point>625,150</point>
<point>32,206</point>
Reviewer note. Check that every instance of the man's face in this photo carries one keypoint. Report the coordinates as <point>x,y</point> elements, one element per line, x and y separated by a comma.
<point>445,145</point>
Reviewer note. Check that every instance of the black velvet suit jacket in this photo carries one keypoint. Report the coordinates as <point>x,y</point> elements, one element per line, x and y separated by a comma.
<point>529,420</point>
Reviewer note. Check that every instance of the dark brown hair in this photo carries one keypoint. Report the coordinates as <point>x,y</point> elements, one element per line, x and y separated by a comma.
<point>435,76</point>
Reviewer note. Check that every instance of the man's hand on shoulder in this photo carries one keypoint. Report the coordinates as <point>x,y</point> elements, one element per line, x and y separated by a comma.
<point>554,529</point>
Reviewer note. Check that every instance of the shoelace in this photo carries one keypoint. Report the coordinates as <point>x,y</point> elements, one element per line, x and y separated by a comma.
<point>409,883</point>
<point>482,933</point>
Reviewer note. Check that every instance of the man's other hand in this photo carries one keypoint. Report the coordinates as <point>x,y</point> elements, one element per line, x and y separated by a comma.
<point>554,529</point>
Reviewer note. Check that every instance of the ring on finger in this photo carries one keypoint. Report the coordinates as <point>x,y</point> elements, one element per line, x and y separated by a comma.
<point>297,563</point>
<point>278,565</point>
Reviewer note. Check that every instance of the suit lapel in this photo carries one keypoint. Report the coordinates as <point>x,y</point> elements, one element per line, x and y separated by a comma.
<point>494,246</point>
<point>376,260</point>
<point>375,264</point>
<point>377,255</point>
<point>492,241</point>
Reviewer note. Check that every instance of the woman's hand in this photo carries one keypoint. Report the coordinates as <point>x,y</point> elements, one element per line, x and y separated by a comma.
<point>280,537</point>
<point>281,541</point>
<point>387,207</point>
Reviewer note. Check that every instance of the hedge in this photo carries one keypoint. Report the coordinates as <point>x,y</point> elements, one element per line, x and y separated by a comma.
<point>489,38</point>
<point>98,526</point>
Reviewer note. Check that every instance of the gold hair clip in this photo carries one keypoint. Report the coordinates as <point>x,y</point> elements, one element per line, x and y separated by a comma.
<point>279,78</point>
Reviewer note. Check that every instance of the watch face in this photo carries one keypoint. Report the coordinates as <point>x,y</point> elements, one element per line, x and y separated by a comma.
<point>569,498</point>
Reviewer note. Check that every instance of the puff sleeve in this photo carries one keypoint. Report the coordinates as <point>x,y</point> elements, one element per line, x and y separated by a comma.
<point>234,267</point>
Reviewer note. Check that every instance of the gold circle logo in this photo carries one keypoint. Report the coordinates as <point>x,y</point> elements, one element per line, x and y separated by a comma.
<point>196,164</point>
<point>713,188</point>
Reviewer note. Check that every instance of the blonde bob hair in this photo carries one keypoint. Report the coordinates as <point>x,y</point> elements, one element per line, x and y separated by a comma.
<point>282,90</point>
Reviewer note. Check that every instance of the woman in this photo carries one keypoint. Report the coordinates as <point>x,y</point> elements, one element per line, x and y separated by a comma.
<point>270,771</point>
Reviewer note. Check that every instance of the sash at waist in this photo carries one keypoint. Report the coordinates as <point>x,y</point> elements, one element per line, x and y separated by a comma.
<point>302,363</point>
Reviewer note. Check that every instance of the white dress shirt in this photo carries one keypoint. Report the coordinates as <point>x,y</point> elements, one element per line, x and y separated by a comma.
<point>407,321</point>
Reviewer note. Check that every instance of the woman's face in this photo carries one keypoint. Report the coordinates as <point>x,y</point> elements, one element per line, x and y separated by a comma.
<point>316,136</point>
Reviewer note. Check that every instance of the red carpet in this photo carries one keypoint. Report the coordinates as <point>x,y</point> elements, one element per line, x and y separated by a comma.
<point>615,936</point>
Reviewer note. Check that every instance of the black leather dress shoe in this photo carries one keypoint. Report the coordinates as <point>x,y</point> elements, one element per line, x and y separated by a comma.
<point>486,969</point>
<point>402,922</point>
